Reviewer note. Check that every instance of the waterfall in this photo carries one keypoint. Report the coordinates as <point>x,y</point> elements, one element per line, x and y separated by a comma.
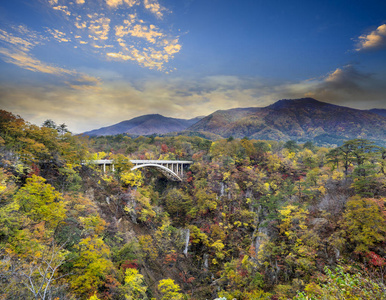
<point>187,237</point>
<point>206,264</point>
<point>222,189</point>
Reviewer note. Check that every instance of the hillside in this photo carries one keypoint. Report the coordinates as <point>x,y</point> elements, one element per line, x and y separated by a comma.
<point>299,120</point>
<point>381,112</point>
<point>250,220</point>
<point>144,125</point>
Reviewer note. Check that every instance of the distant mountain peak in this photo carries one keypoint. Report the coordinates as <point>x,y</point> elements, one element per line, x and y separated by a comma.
<point>304,119</point>
<point>297,119</point>
<point>304,102</point>
<point>145,125</point>
<point>379,111</point>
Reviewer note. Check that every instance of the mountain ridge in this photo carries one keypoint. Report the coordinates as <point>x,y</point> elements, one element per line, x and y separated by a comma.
<point>287,119</point>
<point>297,119</point>
<point>379,111</point>
<point>144,125</point>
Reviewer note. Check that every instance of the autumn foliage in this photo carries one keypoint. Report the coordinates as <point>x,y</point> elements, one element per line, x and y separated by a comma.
<point>252,219</point>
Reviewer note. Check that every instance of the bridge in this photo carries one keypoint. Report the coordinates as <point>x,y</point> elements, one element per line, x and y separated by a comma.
<point>172,169</point>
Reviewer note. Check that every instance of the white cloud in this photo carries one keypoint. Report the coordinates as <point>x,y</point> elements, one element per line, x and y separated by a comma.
<point>16,50</point>
<point>58,35</point>
<point>153,56</point>
<point>131,2</point>
<point>26,61</point>
<point>150,33</point>
<point>149,57</point>
<point>172,47</point>
<point>63,9</point>
<point>21,43</point>
<point>132,38</point>
<point>154,7</point>
<point>99,27</point>
<point>373,40</point>
<point>116,3</point>
<point>116,100</point>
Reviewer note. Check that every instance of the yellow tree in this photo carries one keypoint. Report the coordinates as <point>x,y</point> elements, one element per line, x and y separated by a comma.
<point>134,287</point>
<point>91,266</point>
<point>170,290</point>
<point>365,226</point>
<point>41,202</point>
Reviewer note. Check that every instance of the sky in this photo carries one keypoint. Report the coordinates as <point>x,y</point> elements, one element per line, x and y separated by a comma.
<point>94,63</point>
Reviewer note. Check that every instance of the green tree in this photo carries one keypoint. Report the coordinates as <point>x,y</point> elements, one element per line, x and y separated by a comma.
<point>292,146</point>
<point>341,284</point>
<point>178,205</point>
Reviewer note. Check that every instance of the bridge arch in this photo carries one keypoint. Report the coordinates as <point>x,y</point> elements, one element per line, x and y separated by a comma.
<point>164,170</point>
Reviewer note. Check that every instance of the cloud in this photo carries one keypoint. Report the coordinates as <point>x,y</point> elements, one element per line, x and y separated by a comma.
<point>373,40</point>
<point>63,9</point>
<point>23,44</point>
<point>116,3</point>
<point>58,35</point>
<point>149,58</point>
<point>115,99</point>
<point>28,41</point>
<point>84,82</point>
<point>80,2</point>
<point>16,50</point>
<point>79,23</point>
<point>346,78</point>
<point>160,50</point>
<point>99,27</point>
<point>348,86</point>
<point>132,38</point>
<point>26,61</point>
<point>172,47</point>
<point>150,33</point>
<point>118,100</point>
<point>154,7</point>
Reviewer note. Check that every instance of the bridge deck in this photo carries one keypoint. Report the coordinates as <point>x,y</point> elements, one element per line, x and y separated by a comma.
<point>185,162</point>
<point>173,169</point>
<point>110,161</point>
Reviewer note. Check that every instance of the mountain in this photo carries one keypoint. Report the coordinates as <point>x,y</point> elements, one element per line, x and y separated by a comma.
<point>379,111</point>
<point>145,125</point>
<point>299,120</point>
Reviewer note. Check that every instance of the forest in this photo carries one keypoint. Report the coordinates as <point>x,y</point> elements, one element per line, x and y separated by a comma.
<point>252,219</point>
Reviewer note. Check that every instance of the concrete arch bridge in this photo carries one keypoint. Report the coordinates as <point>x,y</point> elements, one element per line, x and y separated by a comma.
<point>172,169</point>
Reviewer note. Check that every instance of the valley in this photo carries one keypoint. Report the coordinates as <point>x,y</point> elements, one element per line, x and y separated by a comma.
<point>251,218</point>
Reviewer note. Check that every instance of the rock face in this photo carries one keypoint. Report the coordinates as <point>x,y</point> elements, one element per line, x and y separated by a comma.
<point>299,120</point>
<point>145,125</point>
